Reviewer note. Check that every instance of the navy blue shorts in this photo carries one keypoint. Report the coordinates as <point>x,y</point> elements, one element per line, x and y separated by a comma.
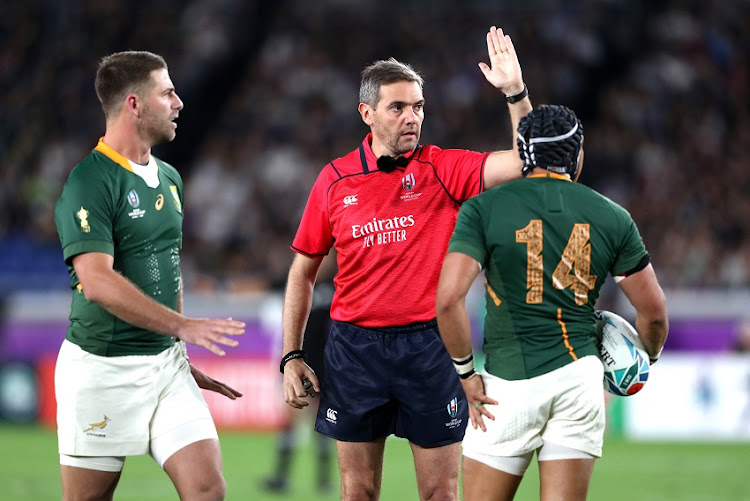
<point>395,380</point>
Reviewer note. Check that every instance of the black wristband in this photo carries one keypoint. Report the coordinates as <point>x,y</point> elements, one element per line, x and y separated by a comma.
<point>519,96</point>
<point>469,374</point>
<point>291,356</point>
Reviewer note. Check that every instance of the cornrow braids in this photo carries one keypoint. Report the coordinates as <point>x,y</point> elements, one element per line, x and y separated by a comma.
<point>550,137</point>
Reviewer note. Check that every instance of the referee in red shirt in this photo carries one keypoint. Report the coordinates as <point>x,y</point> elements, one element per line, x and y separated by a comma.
<point>388,208</point>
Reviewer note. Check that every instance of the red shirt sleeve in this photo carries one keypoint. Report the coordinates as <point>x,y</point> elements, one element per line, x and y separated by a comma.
<point>460,171</point>
<point>314,237</point>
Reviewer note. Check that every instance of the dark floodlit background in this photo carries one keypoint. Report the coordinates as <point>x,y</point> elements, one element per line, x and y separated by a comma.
<point>270,92</point>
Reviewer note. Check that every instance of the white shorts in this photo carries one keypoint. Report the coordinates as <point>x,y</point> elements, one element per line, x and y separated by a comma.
<point>563,407</point>
<point>127,406</point>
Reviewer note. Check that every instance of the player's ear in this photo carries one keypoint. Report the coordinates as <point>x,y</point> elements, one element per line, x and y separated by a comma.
<point>366,112</point>
<point>133,104</point>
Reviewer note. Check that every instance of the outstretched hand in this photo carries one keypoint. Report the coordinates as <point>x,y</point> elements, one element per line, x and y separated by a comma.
<point>476,398</point>
<point>504,70</point>
<point>208,332</point>
<point>208,383</point>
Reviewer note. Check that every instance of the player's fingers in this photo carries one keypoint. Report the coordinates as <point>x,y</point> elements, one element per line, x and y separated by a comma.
<point>229,329</point>
<point>294,403</point>
<point>226,392</point>
<point>229,321</point>
<point>481,409</point>
<point>490,45</point>
<point>481,424</point>
<point>212,348</point>
<point>509,44</point>
<point>484,412</point>
<point>500,41</point>
<point>476,420</point>
<point>298,403</point>
<point>300,391</point>
<point>291,399</point>
<point>487,400</point>
<point>226,341</point>
<point>473,420</point>
<point>309,387</point>
<point>229,391</point>
<point>313,379</point>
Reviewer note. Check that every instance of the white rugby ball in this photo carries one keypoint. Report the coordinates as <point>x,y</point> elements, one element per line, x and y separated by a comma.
<point>625,359</point>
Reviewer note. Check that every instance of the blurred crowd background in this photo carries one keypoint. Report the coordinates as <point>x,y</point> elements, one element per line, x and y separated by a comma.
<point>270,91</point>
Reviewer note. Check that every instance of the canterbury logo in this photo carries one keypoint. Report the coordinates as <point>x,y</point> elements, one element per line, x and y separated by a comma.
<point>98,426</point>
<point>350,200</point>
<point>331,415</point>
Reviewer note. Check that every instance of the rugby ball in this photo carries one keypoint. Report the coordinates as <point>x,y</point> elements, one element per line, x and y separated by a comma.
<point>625,359</point>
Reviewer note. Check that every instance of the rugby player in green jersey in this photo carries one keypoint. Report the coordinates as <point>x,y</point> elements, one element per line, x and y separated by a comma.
<point>546,245</point>
<point>123,383</point>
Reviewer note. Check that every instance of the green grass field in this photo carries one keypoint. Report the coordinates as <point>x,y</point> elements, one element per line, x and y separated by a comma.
<point>628,471</point>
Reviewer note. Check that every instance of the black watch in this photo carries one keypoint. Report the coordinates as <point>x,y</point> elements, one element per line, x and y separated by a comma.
<point>519,96</point>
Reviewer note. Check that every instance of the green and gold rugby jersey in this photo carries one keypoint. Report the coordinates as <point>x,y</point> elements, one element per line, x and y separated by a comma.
<point>106,207</point>
<point>546,245</point>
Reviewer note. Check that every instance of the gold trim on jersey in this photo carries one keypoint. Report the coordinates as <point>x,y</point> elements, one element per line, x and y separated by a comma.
<point>492,294</point>
<point>565,334</point>
<point>110,153</point>
<point>553,175</point>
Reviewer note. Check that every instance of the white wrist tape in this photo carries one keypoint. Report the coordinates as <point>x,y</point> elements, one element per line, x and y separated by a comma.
<point>464,366</point>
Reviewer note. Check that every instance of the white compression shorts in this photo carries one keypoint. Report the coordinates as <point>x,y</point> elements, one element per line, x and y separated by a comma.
<point>517,465</point>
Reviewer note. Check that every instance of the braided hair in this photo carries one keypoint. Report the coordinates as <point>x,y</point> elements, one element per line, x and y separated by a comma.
<point>550,137</point>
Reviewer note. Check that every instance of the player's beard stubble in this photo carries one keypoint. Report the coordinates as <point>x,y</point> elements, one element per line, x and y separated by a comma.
<point>159,130</point>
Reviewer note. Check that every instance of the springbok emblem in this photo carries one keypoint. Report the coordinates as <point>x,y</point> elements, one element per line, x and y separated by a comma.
<point>98,426</point>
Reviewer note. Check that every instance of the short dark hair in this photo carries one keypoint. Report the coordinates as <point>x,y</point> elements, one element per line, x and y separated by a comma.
<point>384,72</point>
<point>122,73</point>
<point>550,137</point>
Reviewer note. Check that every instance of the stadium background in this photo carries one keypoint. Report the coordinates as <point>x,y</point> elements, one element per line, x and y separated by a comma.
<point>270,92</point>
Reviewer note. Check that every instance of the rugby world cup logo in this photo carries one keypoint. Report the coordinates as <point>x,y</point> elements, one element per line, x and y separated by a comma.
<point>453,407</point>
<point>408,182</point>
<point>133,199</point>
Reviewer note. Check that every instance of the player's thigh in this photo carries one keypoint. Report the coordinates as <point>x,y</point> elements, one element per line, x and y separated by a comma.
<point>196,469</point>
<point>432,408</point>
<point>182,416</point>
<point>79,482</point>
<point>577,416</point>
<point>437,470</point>
<point>361,467</point>
<point>565,479</point>
<point>482,482</point>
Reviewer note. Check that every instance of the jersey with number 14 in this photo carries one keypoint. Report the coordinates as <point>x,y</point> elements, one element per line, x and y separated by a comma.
<point>390,230</point>
<point>546,245</point>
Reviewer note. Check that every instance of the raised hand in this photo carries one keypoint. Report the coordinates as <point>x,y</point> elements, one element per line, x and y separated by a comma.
<point>504,70</point>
